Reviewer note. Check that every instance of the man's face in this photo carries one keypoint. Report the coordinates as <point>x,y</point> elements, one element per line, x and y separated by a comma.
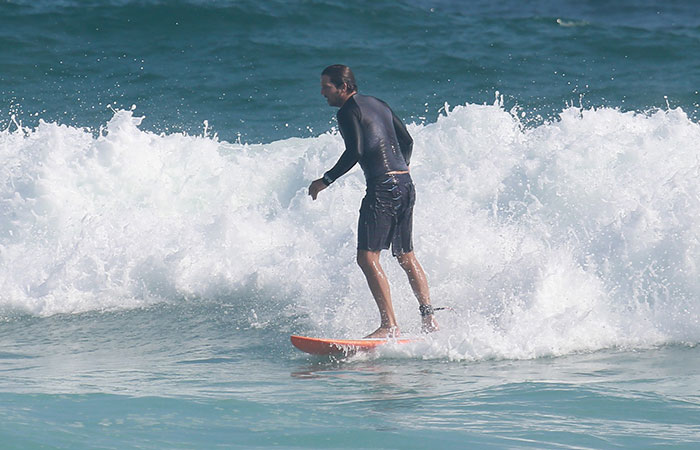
<point>335,96</point>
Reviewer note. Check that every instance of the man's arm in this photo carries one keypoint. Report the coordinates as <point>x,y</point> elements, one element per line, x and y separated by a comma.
<point>351,130</point>
<point>405,139</point>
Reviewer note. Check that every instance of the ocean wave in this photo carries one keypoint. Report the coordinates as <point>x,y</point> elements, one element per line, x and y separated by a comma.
<point>574,235</point>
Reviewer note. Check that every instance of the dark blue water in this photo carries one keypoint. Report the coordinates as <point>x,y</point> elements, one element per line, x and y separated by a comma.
<point>252,68</point>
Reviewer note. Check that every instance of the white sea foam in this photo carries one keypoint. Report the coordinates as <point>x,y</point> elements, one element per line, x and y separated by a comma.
<point>574,235</point>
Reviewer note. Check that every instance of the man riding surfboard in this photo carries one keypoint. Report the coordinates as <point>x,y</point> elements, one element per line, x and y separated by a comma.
<point>379,141</point>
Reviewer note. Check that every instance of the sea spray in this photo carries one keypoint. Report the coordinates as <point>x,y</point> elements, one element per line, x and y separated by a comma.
<point>574,235</point>
<point>585,240</point>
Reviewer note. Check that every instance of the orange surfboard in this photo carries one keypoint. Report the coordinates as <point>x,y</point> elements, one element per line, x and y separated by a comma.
<point>326,346</point>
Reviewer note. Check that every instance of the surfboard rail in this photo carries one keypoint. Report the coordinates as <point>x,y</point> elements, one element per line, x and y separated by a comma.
<point>330,346</point>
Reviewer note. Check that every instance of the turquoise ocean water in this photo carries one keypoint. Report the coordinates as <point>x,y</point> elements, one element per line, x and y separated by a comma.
<point>157,247</point>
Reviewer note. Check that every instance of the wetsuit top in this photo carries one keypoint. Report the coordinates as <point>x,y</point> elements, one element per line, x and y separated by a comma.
<point>373,136</point>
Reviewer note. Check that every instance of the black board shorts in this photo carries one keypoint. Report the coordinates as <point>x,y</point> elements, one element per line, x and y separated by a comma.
<point>386,215</point>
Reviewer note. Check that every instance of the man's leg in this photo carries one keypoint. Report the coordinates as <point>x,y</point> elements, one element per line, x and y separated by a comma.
<point>419,284</point>
<point>379,286</point>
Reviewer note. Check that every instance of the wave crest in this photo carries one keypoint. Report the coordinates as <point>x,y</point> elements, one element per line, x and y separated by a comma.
<point>572,235</point>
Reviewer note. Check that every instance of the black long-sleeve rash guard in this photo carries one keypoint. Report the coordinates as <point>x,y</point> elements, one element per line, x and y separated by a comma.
<point>373,136</point>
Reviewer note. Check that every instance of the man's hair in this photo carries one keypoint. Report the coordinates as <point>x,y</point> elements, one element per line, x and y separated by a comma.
<point>339,75</point>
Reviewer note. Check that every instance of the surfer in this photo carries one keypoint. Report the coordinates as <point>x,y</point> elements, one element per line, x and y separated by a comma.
<point>379,141</point>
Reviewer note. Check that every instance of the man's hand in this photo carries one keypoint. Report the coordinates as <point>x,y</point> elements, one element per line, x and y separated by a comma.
<point>315,187</point>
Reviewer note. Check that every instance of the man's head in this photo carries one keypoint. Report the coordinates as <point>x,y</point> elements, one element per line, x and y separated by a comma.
<point>337,84</point>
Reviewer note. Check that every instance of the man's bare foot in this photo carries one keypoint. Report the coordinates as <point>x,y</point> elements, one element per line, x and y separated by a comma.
<point>429,325</point>
<point>382,332</point>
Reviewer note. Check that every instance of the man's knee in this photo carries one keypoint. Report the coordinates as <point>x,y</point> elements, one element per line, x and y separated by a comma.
<point>366,259</point>
<point>407,261</point>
